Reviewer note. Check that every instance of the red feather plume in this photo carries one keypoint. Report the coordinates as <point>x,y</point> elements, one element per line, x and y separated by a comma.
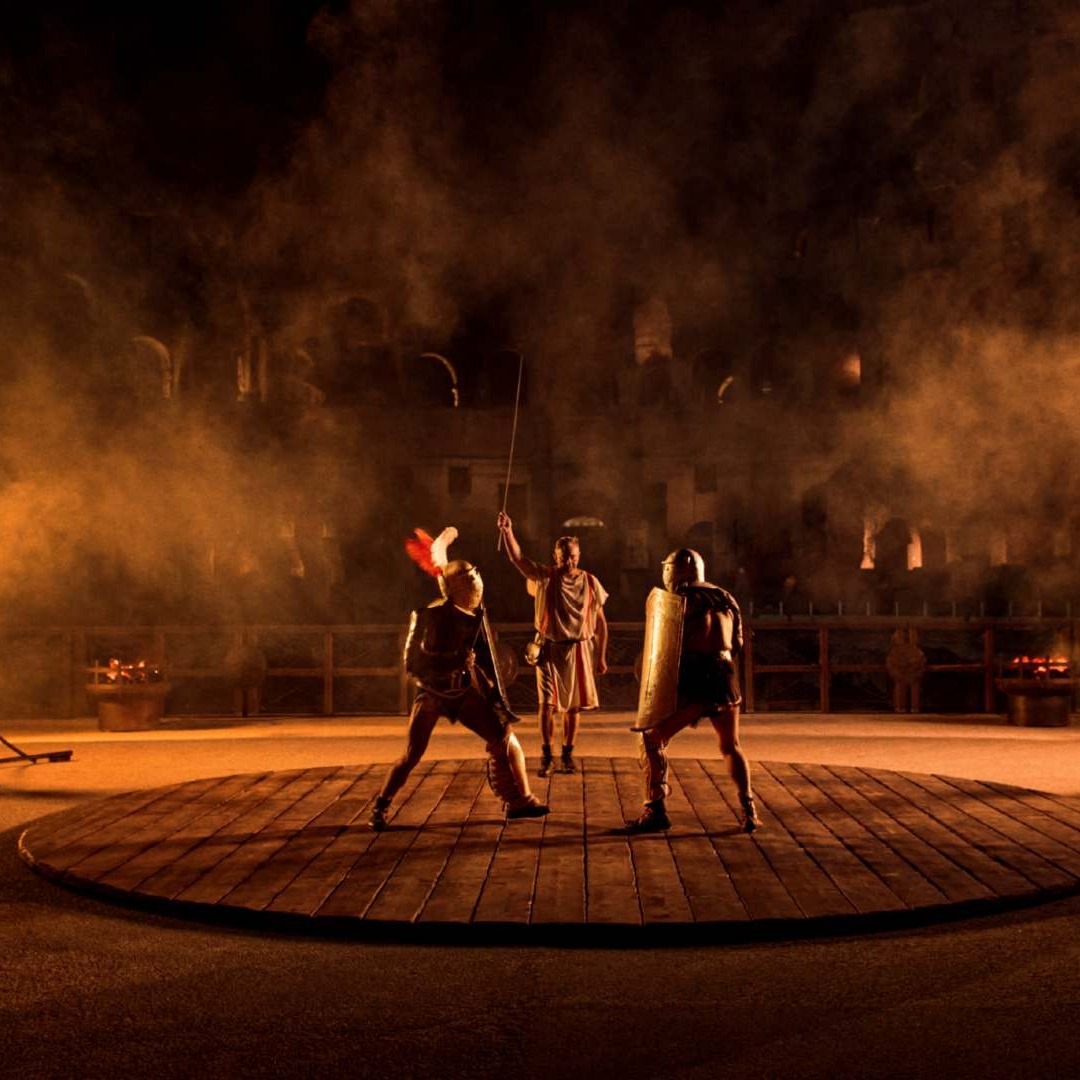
<point>419,550</point>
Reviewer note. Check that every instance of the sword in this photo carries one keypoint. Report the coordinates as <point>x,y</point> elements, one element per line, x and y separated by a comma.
<point>513,439</point>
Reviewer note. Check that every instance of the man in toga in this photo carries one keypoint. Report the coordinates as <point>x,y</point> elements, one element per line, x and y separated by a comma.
<point>571,639</point>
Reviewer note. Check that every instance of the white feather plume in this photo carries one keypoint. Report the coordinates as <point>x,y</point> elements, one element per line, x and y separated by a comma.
<point>439,545</point>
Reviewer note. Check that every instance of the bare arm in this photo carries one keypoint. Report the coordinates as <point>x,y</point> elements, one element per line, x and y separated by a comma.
<point>513,548</point>
<point>601,641</point>
<point>737,630</point>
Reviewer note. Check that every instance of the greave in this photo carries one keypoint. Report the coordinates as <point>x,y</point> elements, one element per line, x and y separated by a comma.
<point>506,772</point>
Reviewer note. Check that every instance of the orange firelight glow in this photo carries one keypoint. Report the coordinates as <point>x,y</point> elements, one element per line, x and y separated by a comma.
<point>1041,667</point>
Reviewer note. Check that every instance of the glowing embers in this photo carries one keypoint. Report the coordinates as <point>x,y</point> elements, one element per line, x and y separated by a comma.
<point>128,697</point>
<point>1038,690</point>
<point>121,674</point>
<point>1036,668</point>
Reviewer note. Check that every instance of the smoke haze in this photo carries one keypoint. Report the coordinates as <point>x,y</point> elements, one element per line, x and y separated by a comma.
<point>798,183</point>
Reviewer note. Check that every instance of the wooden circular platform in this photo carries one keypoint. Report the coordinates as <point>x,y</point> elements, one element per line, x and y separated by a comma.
<point>842,847</point>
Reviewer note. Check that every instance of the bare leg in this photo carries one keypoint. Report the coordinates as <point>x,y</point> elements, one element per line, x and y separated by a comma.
<point>726,725</point>
<point>422,721</point>
<point>425,715</point>
<point>546,718</point>
<point>569,727</point>
<point>727,728</point>
<point>571,719</point>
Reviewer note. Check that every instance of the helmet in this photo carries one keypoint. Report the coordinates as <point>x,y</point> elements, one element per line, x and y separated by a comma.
<point>683,567</point>
<point>461,584</point>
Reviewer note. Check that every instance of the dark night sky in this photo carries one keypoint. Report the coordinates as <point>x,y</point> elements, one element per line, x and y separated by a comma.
<point>199,100</point>
<point>210,95</point>
<point>204,95</point>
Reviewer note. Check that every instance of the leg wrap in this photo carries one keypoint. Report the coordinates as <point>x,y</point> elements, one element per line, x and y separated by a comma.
<point>654,762</point>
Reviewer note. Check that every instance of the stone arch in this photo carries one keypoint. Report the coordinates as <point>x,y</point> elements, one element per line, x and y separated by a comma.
<point>431,378</point>
<point>935,547</point>
<point>892,543</point>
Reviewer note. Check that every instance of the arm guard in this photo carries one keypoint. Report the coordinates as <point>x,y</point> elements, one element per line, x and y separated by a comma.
<point>412,645</point>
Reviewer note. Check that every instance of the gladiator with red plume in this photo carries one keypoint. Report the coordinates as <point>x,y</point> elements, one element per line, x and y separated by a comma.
<point>450,656</point>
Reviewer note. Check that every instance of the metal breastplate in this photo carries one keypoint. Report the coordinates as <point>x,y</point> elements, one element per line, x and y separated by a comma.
<point>438,646</point>
<point>449,634</point>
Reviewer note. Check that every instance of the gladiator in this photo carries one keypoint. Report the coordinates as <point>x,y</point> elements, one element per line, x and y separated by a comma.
<point>570,647</point>
<point>450,656</point>
<point>694,635</point>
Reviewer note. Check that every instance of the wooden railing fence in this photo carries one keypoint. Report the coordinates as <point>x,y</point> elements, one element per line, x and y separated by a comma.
<point>825,663</point>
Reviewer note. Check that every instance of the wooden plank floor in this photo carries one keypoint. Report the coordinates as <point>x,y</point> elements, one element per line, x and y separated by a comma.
<point>840,844</point>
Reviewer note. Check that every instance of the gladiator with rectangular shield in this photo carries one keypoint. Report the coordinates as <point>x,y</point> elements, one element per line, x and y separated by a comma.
<point>693,636</point>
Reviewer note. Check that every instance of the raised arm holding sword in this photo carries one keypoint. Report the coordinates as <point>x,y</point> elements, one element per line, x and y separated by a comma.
<point>570,647</point>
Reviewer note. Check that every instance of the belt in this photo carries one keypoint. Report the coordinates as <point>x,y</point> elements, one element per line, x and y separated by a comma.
<point>441,684</point>
<point>722,654</point>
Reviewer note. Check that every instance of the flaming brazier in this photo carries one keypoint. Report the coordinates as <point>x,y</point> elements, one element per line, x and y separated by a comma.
<point>1038,690</point>
<point>129,697</point>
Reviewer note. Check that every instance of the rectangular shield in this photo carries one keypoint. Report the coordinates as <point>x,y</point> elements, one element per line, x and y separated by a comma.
<point>659,694</point>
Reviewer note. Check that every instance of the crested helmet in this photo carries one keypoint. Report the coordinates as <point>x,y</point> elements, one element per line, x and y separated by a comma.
<point>460,582</point>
